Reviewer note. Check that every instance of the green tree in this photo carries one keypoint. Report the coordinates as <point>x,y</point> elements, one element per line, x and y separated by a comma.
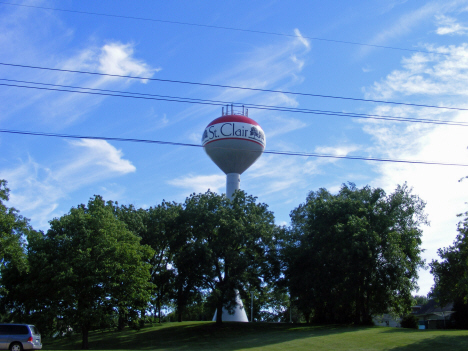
<point>354,253</point>
<point>162,228</point>
<point>234,243</point>
<point>13,230</point>
<point>451,274</point>
<point>158,228</point>
<point>420,300</point>
<point>87,267</point>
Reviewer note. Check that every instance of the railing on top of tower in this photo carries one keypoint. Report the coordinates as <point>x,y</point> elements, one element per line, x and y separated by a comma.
<point>229,110</point>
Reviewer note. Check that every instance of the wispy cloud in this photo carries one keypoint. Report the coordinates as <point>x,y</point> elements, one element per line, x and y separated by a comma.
<point>427,74</point>
<point>303,40</point>
<point>201,183</point>
<point>280,173</point>
<point>101,153</point>
<point>449,25</point>
<point>337,150</point>
<point>25,35</point>
<point>38,189</point>
<point>284,125</point>
<point>112,58</point>
<point>118,59</point>
<point>407,22</point>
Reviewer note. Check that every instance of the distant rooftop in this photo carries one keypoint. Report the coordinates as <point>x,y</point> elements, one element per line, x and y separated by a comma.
<point>431,307</point>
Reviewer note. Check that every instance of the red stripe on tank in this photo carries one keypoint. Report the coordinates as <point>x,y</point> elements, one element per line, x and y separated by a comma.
<point>253,141</point>
<point>233,118</point>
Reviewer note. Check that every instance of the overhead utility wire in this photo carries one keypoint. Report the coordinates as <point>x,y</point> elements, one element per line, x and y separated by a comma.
<point>134,95</point>
<point>232,87</point>
<point>225,28</point>
<point>273,152</point>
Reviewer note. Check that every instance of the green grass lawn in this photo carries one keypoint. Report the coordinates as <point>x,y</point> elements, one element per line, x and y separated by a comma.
<point>266,336</point>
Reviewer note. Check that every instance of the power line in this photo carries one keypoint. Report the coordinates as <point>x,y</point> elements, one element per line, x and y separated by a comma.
<point>233,87</point>
<point>134,95</point>
<point>224,28</point>
<point>273,152</point>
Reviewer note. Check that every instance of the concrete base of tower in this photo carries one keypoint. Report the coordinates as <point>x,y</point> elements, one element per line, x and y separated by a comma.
<point>239,314</point>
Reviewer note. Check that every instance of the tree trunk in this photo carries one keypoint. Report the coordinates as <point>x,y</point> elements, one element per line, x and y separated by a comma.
<point>179,311</point>
<point>84,338</point>
<point>219,313</point>
<point>180,303</point>
<point>121,322</point>
<point>159,306</point>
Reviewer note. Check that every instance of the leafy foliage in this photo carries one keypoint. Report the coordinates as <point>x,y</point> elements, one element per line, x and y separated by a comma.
<point>451,274</point>
<point>157,228</point>
<point>232,244</point>
<point>409,321</point>
<point>420,300</point>
<point>87,267</point>
<point>354,253</point>
<point>13,230</point>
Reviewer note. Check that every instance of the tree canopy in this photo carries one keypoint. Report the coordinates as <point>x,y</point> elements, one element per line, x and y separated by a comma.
<point>345,257</point>
<point>88,267</point>
<point>233,243</point>
<point>354,253</point>
<point>13,231</point>
<point>451,274</point>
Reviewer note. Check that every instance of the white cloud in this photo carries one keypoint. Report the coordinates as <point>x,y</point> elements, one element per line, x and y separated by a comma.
<point>405,24</point>
<point>274,174</point>
<point>201,183</point>
<point>64,108</point>
<point>117,58</point>
<point>303,40</point>
<point>336,150</point>
<point>112,58</point>
<point>24,34</point>
<point>298,62</point>
<point>283,125</point>
<point>428,74</point>
<point>37,189</point>
<point>101,153</point>
<point>449,25</point>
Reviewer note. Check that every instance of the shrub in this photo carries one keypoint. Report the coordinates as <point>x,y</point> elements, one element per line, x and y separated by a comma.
<point>410,321</point>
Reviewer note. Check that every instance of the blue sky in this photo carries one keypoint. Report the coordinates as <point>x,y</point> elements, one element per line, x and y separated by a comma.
<point>47,176</point>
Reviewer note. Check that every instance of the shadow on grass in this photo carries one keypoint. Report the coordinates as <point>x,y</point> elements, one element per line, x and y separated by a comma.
<point>440,343</point>
<point>201,336</point>
<point>238,336</point>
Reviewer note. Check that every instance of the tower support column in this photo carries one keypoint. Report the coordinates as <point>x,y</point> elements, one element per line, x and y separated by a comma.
<point>232,184</point>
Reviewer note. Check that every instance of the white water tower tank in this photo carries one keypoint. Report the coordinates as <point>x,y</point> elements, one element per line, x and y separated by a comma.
<point>233,142</point>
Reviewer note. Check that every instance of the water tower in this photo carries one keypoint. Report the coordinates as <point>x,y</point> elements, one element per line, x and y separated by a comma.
<point>233,142</point>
